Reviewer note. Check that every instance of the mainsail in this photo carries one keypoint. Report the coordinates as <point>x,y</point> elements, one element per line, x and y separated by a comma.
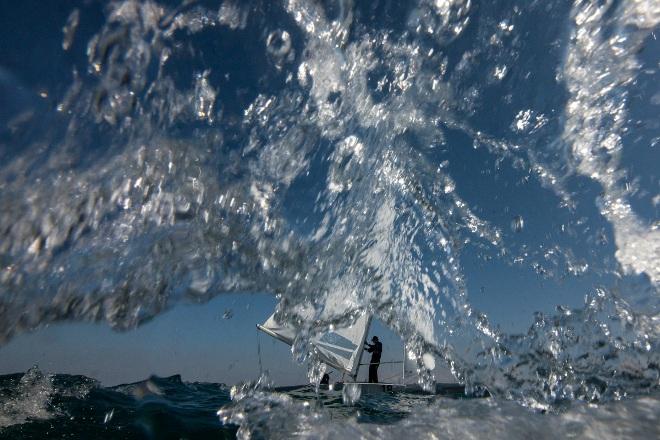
<point>340,348</point>
<point>410,374</point>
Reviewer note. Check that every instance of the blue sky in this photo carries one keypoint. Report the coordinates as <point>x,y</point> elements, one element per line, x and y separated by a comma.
<point>217,341</point>
<point>197,341</point>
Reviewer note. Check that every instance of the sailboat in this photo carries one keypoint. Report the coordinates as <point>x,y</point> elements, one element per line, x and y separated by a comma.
<point>342,349</point>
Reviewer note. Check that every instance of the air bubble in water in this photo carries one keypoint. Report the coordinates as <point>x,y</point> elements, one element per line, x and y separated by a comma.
<point>517,224</point>
<point>278,43</point>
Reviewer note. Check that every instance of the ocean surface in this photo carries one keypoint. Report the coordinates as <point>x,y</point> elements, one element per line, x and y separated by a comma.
<point>37,406</point>
<point>480,176</point>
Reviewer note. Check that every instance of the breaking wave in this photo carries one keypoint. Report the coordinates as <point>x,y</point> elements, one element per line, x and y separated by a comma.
<point>38,406</point>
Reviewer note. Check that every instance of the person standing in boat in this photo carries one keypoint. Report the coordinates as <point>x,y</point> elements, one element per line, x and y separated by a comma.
<point>376,349</point>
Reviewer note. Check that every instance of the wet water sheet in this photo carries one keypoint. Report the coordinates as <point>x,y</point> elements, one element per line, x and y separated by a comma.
<point>479,176</point>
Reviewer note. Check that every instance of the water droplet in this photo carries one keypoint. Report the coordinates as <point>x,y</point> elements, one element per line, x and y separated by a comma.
<point>69,29</point>
<point>204,99</point>
<point>517,224</point>
<point>429,361</point>
<point>351,393</point>
<point>521,121</point>
<point>500,72</point>
<point>505,26</point>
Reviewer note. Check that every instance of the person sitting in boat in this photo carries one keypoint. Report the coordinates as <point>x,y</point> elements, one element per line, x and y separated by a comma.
<point>376,349</point>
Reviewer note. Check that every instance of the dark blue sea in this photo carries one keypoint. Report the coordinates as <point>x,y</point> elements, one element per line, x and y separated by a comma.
<point>63,406</point>
<point>38,406</point>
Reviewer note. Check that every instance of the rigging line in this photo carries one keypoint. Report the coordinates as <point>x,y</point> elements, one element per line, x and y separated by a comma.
<point>259,353</point>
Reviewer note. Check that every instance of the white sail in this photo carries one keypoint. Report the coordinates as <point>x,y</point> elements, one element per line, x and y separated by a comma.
<point>277,330</point>
<point>340,348</point>
<point>344,346</point>
<point>410,375</point>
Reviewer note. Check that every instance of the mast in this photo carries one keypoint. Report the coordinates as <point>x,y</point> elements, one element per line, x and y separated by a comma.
<point>403,363</point>
<point>366,333</point>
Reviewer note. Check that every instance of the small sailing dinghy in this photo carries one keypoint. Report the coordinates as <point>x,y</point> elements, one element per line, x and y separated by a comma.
<point>342,350</point>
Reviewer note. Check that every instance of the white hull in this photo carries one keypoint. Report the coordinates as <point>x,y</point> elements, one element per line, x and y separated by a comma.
<point>447,389</point>
<point>373,388</point>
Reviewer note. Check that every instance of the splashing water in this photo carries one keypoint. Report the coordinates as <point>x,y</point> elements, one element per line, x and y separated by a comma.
<point>343,153</point>
<point>27,400</point>
<point>351,393</point>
